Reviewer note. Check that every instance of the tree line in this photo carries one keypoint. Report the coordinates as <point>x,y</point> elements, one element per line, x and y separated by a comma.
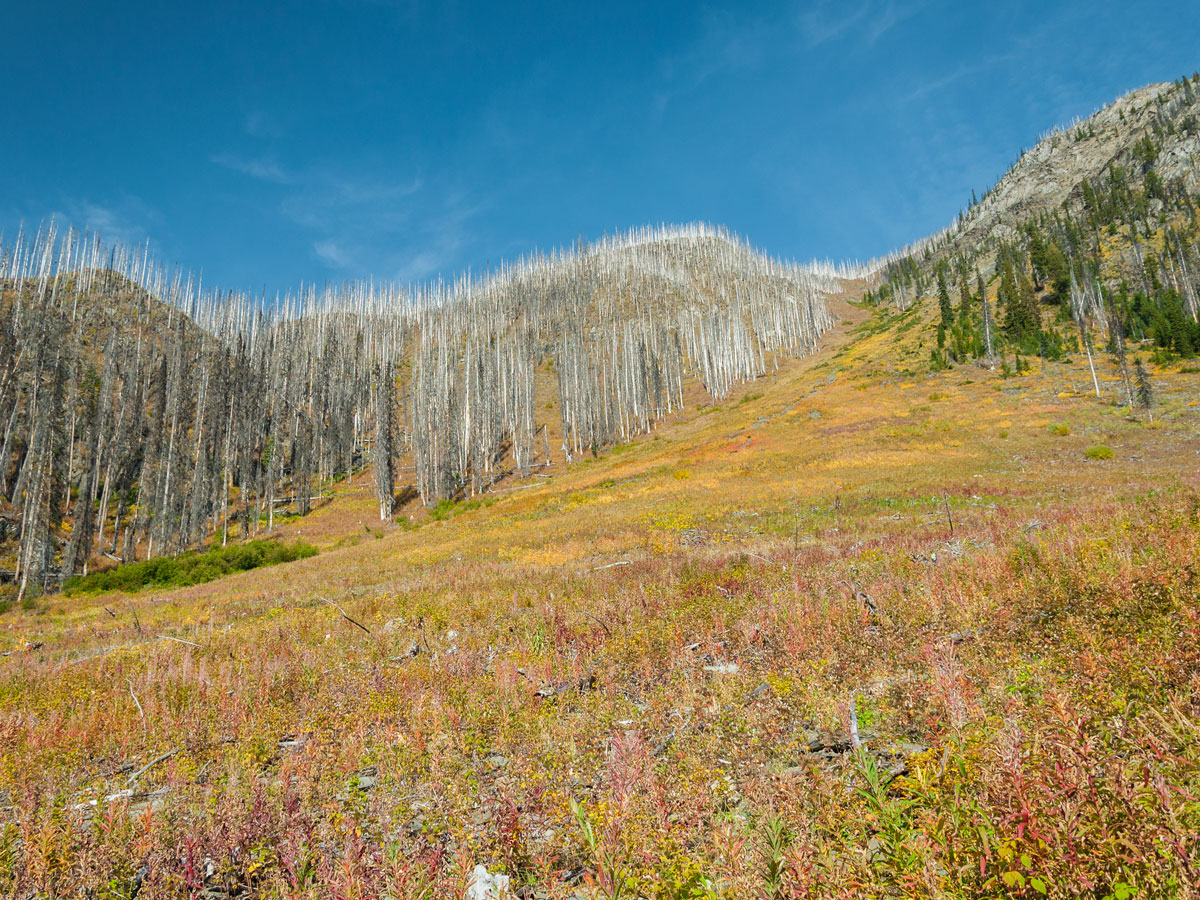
<point>1118,262</point>
<point>143,413</point>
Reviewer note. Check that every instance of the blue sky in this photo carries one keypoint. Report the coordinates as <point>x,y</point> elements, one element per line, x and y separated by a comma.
<point>268,144</point>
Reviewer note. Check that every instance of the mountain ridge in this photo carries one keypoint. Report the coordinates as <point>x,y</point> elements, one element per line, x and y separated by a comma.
<point>909,610</point>
<point>619,327</point>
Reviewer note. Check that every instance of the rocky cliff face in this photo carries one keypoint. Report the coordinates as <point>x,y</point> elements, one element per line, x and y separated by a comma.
<point>1052,173</point>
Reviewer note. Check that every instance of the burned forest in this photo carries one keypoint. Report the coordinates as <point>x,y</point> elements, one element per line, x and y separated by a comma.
<point>145,413</point>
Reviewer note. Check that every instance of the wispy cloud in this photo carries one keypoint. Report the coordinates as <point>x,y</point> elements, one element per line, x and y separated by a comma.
<point>124,221</point>
<point>260,124</point>
<point>324,197</point>
<point>828,21</point>
<point>371,224</point>
<point>357,219</point>
<point>442,238</point>
<point>888,17</point>
<point>334,254</point>
<point>727,43</point>
<point>734,42</point>
<point>966,70</point>
<point>866,22</point>
<point>263,168</point>
<point>409,246</point>
<point>348,190</point>
<point>422,266</point>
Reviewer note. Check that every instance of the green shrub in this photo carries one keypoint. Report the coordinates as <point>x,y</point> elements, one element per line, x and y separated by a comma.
<point>1060,430</point>
<point>188,569</point>
<point>447,508</point>
<point>1099,451</point>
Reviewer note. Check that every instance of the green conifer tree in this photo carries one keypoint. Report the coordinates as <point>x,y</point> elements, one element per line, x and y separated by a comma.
<point>964,301</point>
<point>944,305</point>
<point>1145,391</point>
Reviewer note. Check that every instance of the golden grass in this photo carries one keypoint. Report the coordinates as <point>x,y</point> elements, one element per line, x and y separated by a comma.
<point>641,646</point>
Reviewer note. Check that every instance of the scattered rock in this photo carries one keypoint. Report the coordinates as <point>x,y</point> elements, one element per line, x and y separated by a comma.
<point>291,742</point>
<point>758,691</point>
<point>956,549</point>
<point>661,747</point>
<point>366,779</point>
<point>959,637</point>
<point>482,818</point>
<point>874,846</point>
<point>573,876</point>
<point>483,885</point>
<point>727,668</point>
<point>586,683</point>
<point>139,804</point>
<point>414,650</point>
<point>415,826</point>
<point>828,745</point>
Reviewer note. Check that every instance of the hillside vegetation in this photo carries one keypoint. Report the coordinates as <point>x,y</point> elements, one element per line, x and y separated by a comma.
<point>914,613</point>
<point>189,568</point>
<point>129,436</point>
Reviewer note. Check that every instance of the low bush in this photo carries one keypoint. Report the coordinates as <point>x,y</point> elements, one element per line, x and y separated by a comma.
<point>190,568</point>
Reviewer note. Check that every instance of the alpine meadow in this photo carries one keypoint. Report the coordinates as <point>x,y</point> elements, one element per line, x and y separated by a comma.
<point>655,566</point>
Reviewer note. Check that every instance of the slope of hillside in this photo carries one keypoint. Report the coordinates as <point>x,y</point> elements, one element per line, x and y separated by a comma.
<point>1052,173</point>
<point>1091,245</point>
<point>255,409</point>
<point>881,621</point>
<point>645,674</point>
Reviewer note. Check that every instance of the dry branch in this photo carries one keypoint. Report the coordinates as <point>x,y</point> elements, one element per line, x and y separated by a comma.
<point>179,640</point>
<point>150,765</point>
<point>346,615</point>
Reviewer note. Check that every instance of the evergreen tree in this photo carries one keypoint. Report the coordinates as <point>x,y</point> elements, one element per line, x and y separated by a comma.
<point>1117,345</point>
<point>947,310</point>
<point>1145,391</point>
<point>1056,271</point>
<point>1037,254</point>
<point>1022,318</point>
<point>988,340</point>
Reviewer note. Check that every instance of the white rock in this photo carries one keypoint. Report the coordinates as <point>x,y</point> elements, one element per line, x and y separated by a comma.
<point>723,669</point>
<point>485,886</point>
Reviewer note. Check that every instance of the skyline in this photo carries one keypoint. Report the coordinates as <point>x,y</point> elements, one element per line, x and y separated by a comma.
<point>401,142</point>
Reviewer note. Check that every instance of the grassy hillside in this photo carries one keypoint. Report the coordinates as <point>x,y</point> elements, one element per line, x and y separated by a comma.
<point>915,616</point>
<point>1090,244</point>
<point>646,675</point>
